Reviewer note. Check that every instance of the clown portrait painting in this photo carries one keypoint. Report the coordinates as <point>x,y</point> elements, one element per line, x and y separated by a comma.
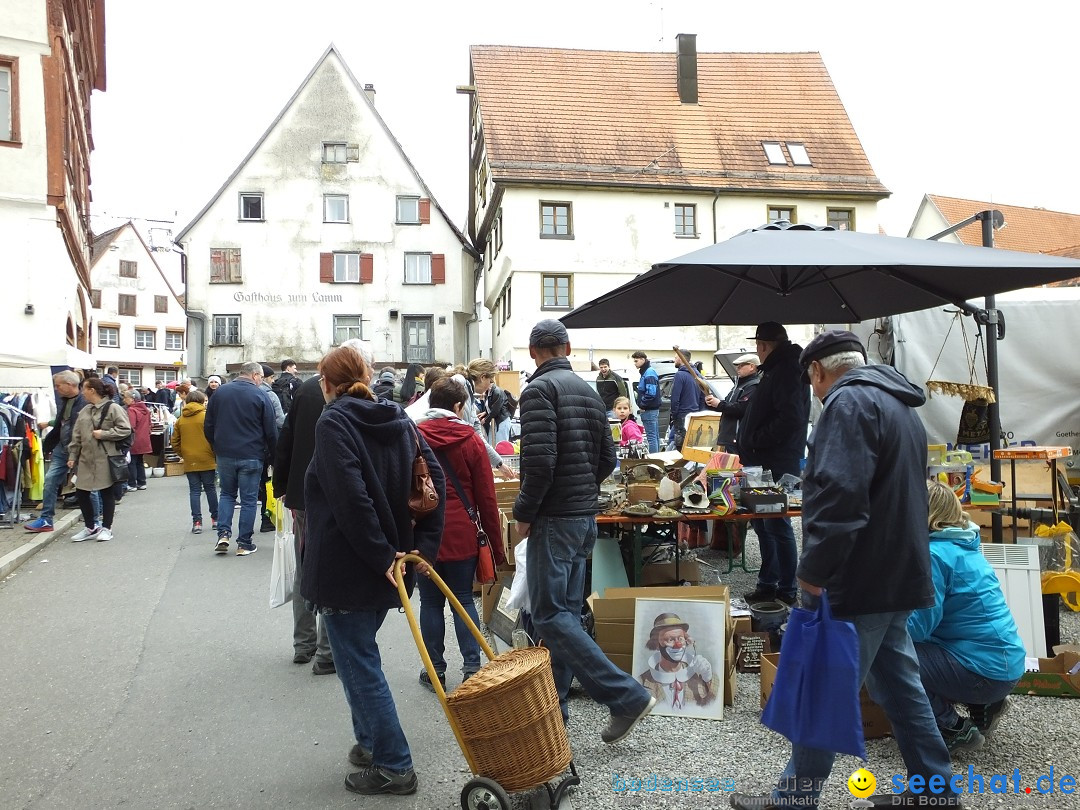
<point>676,643</point>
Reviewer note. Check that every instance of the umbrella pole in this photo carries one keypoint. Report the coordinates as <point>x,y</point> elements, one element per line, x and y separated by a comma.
<point>993,410</point>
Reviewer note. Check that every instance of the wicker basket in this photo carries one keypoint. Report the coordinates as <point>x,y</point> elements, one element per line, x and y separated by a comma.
<point>509,718</point>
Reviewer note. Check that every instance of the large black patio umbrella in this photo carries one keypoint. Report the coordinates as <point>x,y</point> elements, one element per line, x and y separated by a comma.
<point>804,275</point>
<point>807,274</point>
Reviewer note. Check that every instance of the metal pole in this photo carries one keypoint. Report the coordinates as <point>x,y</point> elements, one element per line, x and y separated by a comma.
<point>993,411</point>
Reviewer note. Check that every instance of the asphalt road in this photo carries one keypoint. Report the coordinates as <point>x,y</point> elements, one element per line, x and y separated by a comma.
<point>148,672</point>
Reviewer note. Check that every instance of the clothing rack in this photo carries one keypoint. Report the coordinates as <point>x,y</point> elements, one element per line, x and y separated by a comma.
<point>12,516</point>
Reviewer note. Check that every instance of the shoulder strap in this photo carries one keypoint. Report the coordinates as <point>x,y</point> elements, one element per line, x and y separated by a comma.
<point>448,469</point>
<point>104,413</point>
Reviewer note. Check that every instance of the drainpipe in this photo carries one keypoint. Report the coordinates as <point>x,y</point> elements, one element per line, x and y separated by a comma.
<point>474,319</point>
<point>715,362</point>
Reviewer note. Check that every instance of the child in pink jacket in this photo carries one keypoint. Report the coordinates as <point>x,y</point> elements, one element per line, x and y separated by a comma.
<point>631,430</point>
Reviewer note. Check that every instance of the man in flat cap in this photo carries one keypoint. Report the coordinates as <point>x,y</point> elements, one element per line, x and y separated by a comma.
<point>865,547</point>
<point>772,434</point>
<point>566,451</point>
<point>737,401</point>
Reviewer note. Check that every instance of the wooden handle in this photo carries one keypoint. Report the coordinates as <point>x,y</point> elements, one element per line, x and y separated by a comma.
<point>704,386</point>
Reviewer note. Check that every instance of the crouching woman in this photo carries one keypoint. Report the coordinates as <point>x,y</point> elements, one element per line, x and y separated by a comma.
<point>969,649</point>
<point>358,524</point>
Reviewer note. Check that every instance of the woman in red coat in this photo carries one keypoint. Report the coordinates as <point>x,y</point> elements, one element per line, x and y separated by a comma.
<point>456,444</point>
<point>139,416</point>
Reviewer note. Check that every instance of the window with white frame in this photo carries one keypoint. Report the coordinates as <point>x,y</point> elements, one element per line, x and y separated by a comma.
<point>347,327</point>
<point>227,330</point>
<point>408,210</point>
<point>145,338</point>
<point>347,268</point>
<point>799,155</point>
<point>685,220</point>
<point>108,337</point>
<point>9,96</point>
<point>251,207</point>
<point>334,153</point>
<point>774,153</point>
<point>131,376</point>
<point>165,375</point>
<point>174,341</point>
<point>417,268</point>
<point>335,208</point>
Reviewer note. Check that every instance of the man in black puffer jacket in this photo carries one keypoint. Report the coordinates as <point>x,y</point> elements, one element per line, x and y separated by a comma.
<point>772,434</point>
<point>566,451</point>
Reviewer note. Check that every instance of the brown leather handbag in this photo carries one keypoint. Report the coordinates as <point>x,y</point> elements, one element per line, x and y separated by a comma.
<point>423,497</point>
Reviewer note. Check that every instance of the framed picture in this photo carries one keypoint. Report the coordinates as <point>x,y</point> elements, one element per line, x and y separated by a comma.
<point>503,620</point>
<point>702,431</point>
<point>679,655</point>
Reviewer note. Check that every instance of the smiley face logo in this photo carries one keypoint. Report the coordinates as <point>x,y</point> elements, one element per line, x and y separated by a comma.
<point>861,783</point>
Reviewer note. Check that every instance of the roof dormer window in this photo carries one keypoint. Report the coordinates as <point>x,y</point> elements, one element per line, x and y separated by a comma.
<point>774,153</point>
<point>799,155</point>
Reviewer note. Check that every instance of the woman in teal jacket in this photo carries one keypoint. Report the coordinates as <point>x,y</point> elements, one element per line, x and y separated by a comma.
<point>968,645</point>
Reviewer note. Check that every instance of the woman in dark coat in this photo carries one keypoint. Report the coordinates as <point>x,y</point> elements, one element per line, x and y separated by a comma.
<point>356,491</point>
<point>456,444</point>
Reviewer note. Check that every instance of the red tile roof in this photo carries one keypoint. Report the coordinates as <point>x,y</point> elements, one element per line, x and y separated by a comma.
<point>614,117</point>
<point>1032,230</point>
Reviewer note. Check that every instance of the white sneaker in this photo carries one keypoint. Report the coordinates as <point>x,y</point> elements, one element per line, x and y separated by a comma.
<point>104,534</point>
<point>86,534</point>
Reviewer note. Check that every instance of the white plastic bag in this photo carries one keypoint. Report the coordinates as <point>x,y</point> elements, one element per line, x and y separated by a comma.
<point>283,570</point>
<point>519,590</point>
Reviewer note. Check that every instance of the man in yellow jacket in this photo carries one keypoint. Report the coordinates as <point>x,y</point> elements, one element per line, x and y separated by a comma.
<point>200,465</point>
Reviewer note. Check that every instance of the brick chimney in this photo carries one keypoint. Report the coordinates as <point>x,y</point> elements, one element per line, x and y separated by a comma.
<point>687,68</point>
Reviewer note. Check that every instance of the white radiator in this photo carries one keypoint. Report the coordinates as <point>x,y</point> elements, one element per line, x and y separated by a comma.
<point>1017,569</point>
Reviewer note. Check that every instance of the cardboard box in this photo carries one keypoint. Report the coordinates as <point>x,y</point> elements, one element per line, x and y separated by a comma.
<point>614,623</point>
<point>875,723</point>
<point>1057,677</point>
<point>664,573</point>
<point>510,537</point>
<point>642,493</point>
<point>490,593</point>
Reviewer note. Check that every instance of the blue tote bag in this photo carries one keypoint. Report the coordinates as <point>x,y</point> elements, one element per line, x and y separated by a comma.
<point>815,697</point>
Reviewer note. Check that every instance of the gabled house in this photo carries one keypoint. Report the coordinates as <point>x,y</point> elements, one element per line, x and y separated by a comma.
<point>1031,230</point>
<point>139,321</point>
<point>52,58</point>
<point>325,232</point>
<point>587,167</point>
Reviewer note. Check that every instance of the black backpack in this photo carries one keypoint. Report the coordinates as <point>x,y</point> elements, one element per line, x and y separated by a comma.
<point>122,445</point>
<point>284,389</point>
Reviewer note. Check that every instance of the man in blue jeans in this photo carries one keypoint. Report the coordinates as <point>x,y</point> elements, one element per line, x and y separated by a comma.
<point>772,435</point>
<point>864,545</point>
<point>66,384</point>
<point>240,426</point>
<point>566,451</point>
<point>648,400</point>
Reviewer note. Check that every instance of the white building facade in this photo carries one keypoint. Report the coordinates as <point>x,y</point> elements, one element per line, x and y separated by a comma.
<point>589,167</point>
<point>139,321</point>
<point>52,57</point>
<point>325,232</point>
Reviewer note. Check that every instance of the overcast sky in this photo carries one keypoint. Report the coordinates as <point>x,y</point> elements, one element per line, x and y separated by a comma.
<point>973,100</point>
